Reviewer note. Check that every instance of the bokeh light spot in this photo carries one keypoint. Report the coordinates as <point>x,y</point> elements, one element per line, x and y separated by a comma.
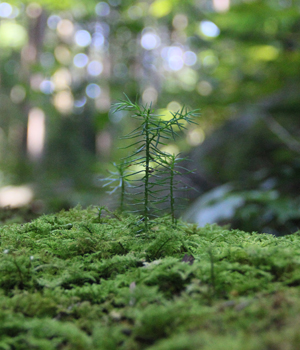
<point>210,61</point>
<point>189,78</point>
<point>93,90</point>
<point>83,38</point>
<point>102,9</point>
<point>35,133</point>
<point>35,81</point>
<point>116,117</point>
<point>62,54</point>
<point>80,103</point>
<point>264,52</point>
<point>209,29</point>
<point>180,22</point>
<point>5,10</point>
<point>221,5</point>
<point>204,88</point>
<point>195,137</point>
<point>103,102</point>
<point>135,12</point>
<point>47,87</point>
<point>53,21</point>
<point>15,197</point>
<point>150,41</point>
<point>171,149</point>
<point>95,68</point>
<point>160,8</point>
<point>12,35</point>
<point>80,60</point>
<point>98,39</point>
<point>17,94</point>
<point>33,10</point>
<point>150,95</point>
<point>62,79</point>
<point>64,102</point>
<point>174,106</point>
<point>190,58</point>
<point>174,58</point>
<point>175,63</point>
<point>65,28</point>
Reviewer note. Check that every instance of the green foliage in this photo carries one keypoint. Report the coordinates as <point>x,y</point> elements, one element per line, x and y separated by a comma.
<point>249,68</point>
<point>149,161</point>
<point>121,289</point>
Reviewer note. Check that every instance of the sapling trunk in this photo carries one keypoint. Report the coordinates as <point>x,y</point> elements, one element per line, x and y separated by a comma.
<point>172,199</point>
<point>122,196</point>
<point>172,169</point>
<point>147,165</point>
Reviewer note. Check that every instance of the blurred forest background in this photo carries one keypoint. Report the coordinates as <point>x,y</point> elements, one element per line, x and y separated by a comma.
<point>64,62</point>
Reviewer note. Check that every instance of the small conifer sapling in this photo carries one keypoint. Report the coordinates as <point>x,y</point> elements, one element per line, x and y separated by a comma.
<point>149,163</point>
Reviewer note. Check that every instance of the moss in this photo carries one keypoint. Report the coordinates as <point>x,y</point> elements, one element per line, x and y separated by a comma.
<point>76,281</point>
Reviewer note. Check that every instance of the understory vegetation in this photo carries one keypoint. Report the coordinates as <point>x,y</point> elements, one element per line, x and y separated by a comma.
<point>154,170</point>
<point>80,280</point>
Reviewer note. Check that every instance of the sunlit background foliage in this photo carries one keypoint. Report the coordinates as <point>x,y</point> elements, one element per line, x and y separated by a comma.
<point>62,64</point>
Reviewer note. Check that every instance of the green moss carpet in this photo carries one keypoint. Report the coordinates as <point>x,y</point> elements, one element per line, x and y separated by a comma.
<point>79,281</point>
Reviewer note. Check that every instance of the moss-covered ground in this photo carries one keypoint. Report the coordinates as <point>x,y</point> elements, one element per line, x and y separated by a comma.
<point>78,281</point>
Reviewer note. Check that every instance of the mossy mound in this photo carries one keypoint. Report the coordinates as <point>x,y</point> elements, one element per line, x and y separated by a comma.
<point>78,281</point>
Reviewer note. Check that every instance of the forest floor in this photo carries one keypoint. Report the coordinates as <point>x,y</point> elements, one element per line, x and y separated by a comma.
<point>79,281</point>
